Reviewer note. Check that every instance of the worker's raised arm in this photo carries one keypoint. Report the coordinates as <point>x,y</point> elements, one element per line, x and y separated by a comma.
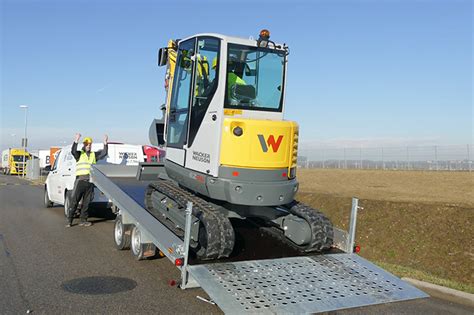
<point>103,153</point>
<point>76,154</point>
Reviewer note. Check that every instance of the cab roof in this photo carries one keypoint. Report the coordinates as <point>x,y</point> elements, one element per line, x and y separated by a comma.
<point>251,41</point>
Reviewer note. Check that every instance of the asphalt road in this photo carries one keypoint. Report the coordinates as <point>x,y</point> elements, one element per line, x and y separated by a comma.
<point>47,268</point>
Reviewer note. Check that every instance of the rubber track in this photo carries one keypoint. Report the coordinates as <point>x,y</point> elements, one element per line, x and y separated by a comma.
<point>322,236</point>
<point>321,228</point>
<point>219,230</point>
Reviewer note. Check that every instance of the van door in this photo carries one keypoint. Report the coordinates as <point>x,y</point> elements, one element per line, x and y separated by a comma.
<point>53,180</point>
<point>66,174</point>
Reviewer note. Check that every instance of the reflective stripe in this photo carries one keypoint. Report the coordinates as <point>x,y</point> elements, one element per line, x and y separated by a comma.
<point>83,166</point>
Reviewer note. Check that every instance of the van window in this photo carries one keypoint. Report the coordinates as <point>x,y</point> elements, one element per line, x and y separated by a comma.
<point>55,165</point>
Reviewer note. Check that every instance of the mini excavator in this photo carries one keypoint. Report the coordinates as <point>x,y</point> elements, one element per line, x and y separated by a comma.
<point>228,149</point>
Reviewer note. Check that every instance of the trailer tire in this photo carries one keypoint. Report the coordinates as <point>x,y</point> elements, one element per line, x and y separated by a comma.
<point>47,202</point>
<point>122,234</point>
<point>141,250</point>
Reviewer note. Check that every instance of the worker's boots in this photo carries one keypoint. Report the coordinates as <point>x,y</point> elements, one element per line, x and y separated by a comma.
<point>85,223</point>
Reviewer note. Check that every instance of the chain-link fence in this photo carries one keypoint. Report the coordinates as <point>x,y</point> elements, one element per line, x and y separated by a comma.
<point>436,158</point>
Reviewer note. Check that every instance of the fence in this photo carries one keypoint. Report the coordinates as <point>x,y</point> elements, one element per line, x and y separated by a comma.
<point>436,158</point>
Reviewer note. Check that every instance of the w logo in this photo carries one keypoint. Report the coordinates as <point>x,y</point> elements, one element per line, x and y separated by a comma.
<point>270,143</point>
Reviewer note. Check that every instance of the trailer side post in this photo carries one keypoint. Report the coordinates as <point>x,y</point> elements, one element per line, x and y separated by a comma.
<point>352,225</point>
<point>187,240</point>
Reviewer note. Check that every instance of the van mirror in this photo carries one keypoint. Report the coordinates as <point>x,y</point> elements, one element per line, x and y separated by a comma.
<point>162,56</point>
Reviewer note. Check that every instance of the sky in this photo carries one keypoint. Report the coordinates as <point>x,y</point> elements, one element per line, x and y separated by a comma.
<point>360,73</point>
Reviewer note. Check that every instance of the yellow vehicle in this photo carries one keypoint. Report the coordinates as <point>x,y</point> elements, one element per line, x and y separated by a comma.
<point>14,161</point>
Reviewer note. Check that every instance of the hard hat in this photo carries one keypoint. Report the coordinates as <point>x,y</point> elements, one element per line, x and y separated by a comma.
<point>214,62</point>
<point>87,140</point>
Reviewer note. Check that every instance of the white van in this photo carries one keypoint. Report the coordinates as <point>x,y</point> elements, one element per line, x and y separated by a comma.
<point>59,183</point>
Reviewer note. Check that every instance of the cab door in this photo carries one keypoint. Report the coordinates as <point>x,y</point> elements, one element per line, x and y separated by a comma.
<point>178,117</point>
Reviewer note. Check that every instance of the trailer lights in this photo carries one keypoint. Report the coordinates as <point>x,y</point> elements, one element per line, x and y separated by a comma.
<point>356,249</point>
<point>235,173</point>
<point>178,262</point>
<point>284,174</point>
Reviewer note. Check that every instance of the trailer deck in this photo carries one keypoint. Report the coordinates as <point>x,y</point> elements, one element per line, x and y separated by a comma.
<point>305,284</point>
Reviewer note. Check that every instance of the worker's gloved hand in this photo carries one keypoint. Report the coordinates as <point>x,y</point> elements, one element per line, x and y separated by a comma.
<point>106,138</point>
<point>77,137</point>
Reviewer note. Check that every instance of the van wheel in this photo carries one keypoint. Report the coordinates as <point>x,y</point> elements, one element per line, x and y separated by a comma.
<point>67,202</point>
<point>47,203</point>
<point>139,250</point>
<point>122,234</point>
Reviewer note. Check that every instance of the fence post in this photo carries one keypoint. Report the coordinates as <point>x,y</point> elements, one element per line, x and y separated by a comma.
<point>383,161</point>
<point>408,160</point>
<point>436,157</point>
<point>345,161</point>
<point>468,158</point>
<point>322,152</point>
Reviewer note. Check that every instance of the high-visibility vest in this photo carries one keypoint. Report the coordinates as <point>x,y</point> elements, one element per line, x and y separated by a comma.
<point>233,79</point>
<point>83,166</point>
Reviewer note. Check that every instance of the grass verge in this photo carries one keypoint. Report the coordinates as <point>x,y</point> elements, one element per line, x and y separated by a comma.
<point>402,271</point>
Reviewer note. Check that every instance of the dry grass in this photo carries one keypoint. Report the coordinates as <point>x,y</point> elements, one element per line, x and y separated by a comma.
<point>417,220</point>
<point>411,186</point>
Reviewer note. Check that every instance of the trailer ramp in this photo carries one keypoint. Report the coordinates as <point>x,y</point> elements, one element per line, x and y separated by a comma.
<point>300,285</point>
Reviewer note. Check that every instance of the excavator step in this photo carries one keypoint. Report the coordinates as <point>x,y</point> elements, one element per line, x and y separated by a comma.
<point>300,284</point>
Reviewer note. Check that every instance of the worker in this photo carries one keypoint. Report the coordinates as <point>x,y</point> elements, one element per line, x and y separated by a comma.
<point>232,78</point>
<point>83,188</point>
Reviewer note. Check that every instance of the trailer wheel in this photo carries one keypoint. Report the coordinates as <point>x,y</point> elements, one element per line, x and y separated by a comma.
<point>122,234</point>
<point>141,250</point>
<point>47,203</point>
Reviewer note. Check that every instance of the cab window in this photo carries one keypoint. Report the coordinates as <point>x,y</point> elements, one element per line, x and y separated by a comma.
<point>207,59</point>
<point>255,78</point>
<point>182,83</point>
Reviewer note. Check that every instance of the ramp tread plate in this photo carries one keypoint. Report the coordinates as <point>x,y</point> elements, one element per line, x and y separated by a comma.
<point>300,284</point>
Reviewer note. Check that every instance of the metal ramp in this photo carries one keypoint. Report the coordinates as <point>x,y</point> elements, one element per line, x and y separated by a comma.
<point>300,285</point>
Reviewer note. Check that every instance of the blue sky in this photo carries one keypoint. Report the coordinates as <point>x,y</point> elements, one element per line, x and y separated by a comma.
<point>361,73</point>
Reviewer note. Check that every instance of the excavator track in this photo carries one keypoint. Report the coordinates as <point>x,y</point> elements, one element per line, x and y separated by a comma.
<point>216,234</point>
<point>322,233</point>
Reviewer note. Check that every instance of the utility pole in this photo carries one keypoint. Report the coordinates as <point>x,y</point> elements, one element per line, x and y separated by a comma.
<point>25,139</point>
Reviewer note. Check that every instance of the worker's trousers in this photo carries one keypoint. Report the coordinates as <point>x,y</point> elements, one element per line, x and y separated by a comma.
<point>85,190</point>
